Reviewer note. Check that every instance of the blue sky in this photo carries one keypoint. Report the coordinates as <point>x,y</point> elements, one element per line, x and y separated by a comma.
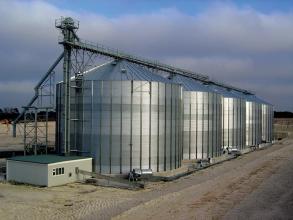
<point>247,44</point>
<point>114,8</point>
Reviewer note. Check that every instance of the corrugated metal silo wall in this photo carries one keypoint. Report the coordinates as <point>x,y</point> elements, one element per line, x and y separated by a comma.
<point>253,123</point>
<point>267,123</point>
<point>202,130</point>
<point>128,124</point>
<point>234,120</point>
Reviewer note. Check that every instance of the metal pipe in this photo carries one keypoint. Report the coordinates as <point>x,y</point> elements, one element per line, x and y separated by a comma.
<point>158,129</point>
<point>121,122</point>
<point>24,135</point>
<point>131,126</point>
<point>36,131</point>
<point>140,127</point>
<point>43,79</point>
<point>66,77</point>
<point>110,127</point>
<point>47,116</point>
<point>150,127</point>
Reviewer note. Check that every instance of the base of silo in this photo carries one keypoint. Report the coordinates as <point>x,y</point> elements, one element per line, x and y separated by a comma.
<point>192,166</point>
<point>188,167</point>
<point>265,145</point>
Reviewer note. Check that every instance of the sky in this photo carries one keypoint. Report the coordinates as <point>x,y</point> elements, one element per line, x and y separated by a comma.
<point>248,44</point>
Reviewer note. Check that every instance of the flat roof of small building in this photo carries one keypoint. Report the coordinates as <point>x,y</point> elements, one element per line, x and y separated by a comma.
<point>46,159</point>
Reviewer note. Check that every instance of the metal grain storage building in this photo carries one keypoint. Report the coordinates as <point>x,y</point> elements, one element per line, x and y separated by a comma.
<point>253,121</point>
<point>233,118</point>
<point>267,122</point>
<point>46,170</point>
<point>202,120</point>
<point>125,117</point>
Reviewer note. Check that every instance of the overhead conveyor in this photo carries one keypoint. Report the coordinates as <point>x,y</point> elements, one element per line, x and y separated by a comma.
<point>116,54</point>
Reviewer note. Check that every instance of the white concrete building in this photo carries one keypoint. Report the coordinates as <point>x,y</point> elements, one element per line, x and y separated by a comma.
<point>47,170</point>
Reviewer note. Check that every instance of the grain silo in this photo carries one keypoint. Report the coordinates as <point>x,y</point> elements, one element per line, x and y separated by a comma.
<point>202,120</point>
<point>253,121</point>
<point>267,122</point>
<point>233,118</point>
<point>125,117</point>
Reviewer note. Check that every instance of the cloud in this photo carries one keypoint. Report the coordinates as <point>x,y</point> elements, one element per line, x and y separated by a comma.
<point>240,46</point>
<point>17,87</point>
<point>246,30</point>
<point>216,67</point>
<point>13,93</point>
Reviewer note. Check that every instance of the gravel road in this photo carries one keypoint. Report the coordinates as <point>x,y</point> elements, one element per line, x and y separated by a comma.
<point>254,186</point>
<point>257,185</point>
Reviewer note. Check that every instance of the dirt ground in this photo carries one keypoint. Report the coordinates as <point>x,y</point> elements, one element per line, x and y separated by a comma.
<point>257,185</point>
<point>7,142</point>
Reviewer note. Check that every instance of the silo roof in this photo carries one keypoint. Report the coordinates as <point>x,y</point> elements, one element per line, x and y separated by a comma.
<point>190,84</point>
<point>262,101</point>
<point>253,98</point>
<point>123,70</point>
<point>235,94</point>
<point>240,94</point>
<point>224,92</point>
